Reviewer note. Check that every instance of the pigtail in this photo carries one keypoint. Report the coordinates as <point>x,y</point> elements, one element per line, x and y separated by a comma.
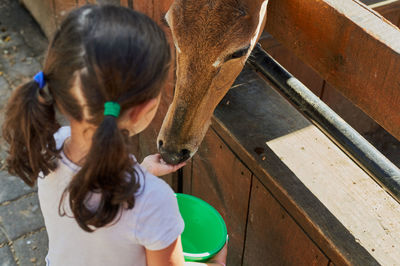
<point>109,170</point>
<point>28,129</point>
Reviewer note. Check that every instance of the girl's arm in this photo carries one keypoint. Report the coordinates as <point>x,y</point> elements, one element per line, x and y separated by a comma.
<point>173,256</point>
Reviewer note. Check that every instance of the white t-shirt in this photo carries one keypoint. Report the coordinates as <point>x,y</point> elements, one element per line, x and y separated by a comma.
<point>154,222</point>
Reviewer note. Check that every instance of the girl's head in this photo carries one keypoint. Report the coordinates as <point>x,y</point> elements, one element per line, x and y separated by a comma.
<point>100,54</point>
<point>105,53</point>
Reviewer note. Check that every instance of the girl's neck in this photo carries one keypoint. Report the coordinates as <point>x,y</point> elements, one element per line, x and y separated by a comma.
<point>77,146</point>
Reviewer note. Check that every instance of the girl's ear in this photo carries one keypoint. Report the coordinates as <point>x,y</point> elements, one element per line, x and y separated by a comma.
<point>137,118</point>
<point>140,111</point>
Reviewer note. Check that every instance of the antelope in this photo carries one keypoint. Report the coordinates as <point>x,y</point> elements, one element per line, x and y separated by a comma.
<point>213,39</point>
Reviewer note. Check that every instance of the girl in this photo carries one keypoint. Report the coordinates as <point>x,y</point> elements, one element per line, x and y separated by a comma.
<point>104,70</point>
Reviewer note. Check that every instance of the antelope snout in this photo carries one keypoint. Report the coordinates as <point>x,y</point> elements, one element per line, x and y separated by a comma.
<point>173,155</point>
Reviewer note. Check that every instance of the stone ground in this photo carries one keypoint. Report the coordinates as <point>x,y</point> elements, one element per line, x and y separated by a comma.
<point>23,238</point>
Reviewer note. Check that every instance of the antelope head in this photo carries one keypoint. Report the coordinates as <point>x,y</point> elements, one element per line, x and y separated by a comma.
<point>213,39</point>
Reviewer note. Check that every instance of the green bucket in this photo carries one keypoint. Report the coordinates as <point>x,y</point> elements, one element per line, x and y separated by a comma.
<point>205,231</point>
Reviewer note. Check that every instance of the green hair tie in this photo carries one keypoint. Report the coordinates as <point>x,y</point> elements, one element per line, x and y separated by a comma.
<point>112,108</point>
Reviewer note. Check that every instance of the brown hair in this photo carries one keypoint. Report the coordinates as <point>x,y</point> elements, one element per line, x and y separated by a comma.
<point>114,54</point>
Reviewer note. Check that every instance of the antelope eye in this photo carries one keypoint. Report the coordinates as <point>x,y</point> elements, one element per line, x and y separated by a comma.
<point>217,71</point>
<point>238,54</point>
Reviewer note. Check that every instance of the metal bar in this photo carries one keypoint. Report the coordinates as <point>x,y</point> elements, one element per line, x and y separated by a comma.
<point>180,181</point>
<point>366,156</point>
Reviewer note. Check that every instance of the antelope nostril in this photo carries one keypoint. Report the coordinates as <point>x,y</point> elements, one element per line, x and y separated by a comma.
<point>172,157</point>
<point>185,153</point>
<point>160,143</point>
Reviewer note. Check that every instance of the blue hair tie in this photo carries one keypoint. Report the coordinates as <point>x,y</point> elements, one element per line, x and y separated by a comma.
<point>39,79</point>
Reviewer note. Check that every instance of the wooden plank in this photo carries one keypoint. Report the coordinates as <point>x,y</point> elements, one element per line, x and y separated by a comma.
<point>49,13</point>
<point>293,64</point>
<point>42,11</point>
<point>383,6</point>
<point>255,114</point>
<point>393,17</point>
<point>135,148</point>
<point>160,9</point>
<point>124,3</point>
<point>389,9</point>
<point>187,177</point>
<point>223,181</point>
<point>273,237</point>
<point>84,2</point>
<point>61,9</point>
<point>360,204</point>
<point>352,47</point>
<point>146,7</point>
<point>345,108</point>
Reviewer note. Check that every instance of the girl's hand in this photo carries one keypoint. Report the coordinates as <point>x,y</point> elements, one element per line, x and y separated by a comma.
<point>155,165</point>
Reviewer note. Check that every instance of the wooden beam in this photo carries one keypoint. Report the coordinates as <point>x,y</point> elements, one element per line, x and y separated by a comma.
<point>352,47</point>
<point>387,4</point>
<point>390,9</point>
<point>273,236</point>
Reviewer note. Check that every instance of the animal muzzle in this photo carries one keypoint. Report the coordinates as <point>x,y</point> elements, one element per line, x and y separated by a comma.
<point>172,156</point>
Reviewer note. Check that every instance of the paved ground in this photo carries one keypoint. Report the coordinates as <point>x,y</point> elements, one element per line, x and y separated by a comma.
<point>23,239</point>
